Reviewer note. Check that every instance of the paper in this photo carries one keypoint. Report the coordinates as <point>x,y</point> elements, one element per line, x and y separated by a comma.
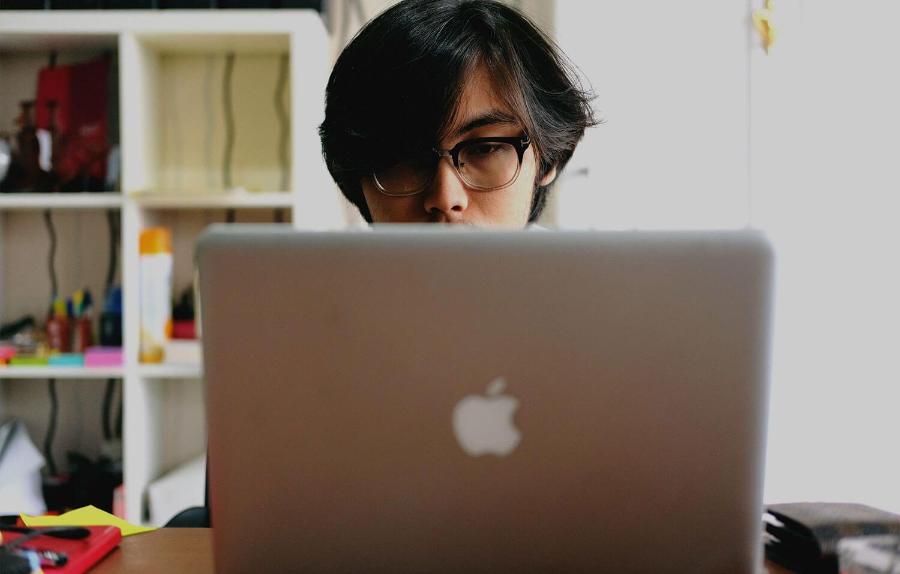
<point>20,471</point>
<point>86,516</point>
<point>182,488</point>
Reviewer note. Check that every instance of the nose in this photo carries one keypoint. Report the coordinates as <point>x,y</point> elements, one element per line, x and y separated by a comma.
<point>447,198</point>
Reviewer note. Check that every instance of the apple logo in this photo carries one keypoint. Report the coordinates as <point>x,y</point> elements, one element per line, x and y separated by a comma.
<point>484,424</point>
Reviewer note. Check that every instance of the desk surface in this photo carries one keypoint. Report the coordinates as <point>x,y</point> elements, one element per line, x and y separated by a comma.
<point>173,550</point>
<point>186,550</point>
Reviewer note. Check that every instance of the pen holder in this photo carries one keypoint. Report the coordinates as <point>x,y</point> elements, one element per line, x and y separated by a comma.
<point>58,335</point>
<point>82,335</point>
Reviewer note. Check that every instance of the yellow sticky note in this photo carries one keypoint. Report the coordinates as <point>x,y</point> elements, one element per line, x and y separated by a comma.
<point>86,516</point>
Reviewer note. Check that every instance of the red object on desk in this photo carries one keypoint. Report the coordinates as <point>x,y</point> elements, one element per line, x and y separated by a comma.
<point>83,554</point>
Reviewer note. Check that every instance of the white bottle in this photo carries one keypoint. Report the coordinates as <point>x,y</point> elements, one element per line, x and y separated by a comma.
<point>156,293</point>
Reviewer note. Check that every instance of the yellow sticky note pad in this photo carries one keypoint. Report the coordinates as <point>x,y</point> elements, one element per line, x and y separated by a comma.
<point>86,516</point>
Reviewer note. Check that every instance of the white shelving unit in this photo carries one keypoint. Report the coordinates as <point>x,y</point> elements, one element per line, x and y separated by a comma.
<point>169,70</point>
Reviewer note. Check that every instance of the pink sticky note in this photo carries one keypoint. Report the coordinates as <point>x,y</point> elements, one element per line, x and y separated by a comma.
<point>103,357</point>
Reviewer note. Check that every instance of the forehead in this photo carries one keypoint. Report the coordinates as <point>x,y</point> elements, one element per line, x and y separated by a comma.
<point>480,94</point>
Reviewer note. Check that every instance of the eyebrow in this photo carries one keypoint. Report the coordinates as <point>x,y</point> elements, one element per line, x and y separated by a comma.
<point>488,118</point>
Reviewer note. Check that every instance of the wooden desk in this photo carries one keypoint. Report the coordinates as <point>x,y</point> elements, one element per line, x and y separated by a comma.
<point>172,550</point>
<point>188,550</point>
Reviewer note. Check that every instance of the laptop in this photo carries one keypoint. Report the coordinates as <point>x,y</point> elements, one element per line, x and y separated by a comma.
<point>425,400</point>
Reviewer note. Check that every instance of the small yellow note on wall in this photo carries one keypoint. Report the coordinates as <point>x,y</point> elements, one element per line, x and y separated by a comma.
<point>764,22</point>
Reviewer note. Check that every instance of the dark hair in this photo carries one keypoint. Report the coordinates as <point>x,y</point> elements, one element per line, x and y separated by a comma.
<point>397,84</point>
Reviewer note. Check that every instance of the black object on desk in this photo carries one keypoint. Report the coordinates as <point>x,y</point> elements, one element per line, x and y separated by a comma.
<point>804,536</point>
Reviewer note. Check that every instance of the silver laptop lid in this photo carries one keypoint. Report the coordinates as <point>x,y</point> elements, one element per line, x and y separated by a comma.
<point>411,400</point>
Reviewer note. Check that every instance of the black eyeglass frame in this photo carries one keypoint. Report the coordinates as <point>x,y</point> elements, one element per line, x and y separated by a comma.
<point>520,143</point>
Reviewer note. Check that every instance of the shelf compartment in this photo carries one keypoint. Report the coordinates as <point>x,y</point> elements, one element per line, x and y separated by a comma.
<point>82,258</point>
<point>87,137</point>
<point>215,113</point>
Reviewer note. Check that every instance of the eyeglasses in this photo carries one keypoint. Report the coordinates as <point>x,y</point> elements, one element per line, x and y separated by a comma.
<point>483,164</point>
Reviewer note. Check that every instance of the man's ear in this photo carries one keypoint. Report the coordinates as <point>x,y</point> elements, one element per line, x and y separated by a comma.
<point>549,178</point>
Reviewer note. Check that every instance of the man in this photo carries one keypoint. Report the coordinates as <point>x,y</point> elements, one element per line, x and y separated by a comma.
<point>451,111</point>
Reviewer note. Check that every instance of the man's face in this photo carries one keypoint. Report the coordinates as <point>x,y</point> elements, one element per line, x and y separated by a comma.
<point>448,199</point>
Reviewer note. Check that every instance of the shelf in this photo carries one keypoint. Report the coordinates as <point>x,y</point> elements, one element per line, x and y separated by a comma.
<point>242,199</point>
<point>75,201</point>
<point>171,123</point>
<point>169,371</point>
<point>61,372</point>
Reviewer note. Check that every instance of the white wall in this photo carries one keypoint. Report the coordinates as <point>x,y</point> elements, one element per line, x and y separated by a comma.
<point>827,189</point>
<point>705,130</point>
<point>672,83</point>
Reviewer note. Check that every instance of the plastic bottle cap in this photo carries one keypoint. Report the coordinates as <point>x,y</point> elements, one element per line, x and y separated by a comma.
<point>155,240</point>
